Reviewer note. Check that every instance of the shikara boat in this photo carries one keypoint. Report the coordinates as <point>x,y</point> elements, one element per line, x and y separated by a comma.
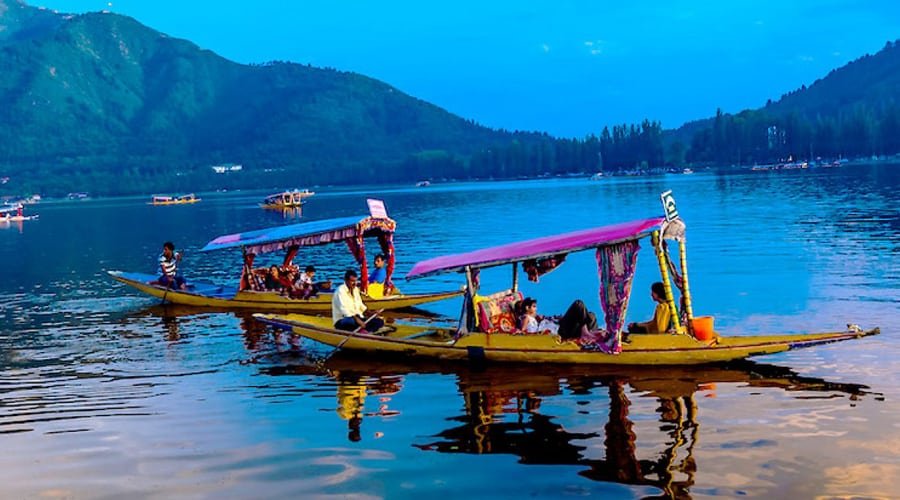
<point>483,333</point>
<point>286,199</point>
<point>174,200</point>
<point>15,213</point>
<point>346,231</point>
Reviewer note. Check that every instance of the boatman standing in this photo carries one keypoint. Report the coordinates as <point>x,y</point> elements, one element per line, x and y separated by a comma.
<point>348,310</point>
<point>168,267</point>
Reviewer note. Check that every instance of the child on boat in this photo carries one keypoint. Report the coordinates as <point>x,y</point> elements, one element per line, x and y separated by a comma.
<point>306,285</point>
<point>529,322</point>
<point>577,321</point>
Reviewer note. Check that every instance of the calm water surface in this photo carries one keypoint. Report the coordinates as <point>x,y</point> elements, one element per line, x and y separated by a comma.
<point>106,393</point>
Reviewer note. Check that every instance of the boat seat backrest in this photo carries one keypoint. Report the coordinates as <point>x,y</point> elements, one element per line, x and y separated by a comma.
<point>497,312</point>
<point>258,279</point>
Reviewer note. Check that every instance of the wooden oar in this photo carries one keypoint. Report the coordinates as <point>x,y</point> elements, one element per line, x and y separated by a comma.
<point>366,322</point>
<point>350,334</point>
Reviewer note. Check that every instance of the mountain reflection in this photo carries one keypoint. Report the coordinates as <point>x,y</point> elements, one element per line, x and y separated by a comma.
<point>503,411</point>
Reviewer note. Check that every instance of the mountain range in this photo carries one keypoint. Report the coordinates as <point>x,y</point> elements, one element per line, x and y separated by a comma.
<point>99,102</point>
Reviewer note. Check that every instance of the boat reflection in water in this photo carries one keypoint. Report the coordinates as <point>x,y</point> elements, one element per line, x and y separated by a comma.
<point>256,333</point>
<point>289,212</point>
<point>506,408</point>
<point>503,411</point>
<point>19,225</point>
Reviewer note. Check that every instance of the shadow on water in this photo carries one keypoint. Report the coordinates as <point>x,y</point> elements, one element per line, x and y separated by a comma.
<point>503,410</point>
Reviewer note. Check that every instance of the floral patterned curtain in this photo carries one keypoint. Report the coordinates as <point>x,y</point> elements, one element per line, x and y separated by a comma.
<point>615,266</point>
<point>535,268</point>
<point>386,241</point>
<point>289,257</point>
<point>246,273</point>
<point>357,246</point>
<point>370,226</point>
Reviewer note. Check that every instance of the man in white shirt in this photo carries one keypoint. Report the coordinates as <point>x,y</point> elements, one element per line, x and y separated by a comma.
<point>348,310</point>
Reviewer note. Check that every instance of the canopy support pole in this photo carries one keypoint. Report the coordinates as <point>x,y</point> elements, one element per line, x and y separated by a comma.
<point>515,277</point>
<point>686,293</point>
<point>667,283</point>
<point>467,318</point>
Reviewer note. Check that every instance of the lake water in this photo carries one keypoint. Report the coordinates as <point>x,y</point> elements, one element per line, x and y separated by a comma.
<point>106,393</point>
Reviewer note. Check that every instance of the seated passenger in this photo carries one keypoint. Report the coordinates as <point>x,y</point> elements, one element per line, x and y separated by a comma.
<point>662,316</point>
<point>306,282</point>
<point>306,277</point>
<point>348,310</point>
<point>575,323</point>
<point>530,322</point>
<point>379,274</point>
<point>275,281</point>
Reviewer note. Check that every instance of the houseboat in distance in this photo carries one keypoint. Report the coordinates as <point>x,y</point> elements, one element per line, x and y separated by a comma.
<point>287,199</point>
<point>174,200</point>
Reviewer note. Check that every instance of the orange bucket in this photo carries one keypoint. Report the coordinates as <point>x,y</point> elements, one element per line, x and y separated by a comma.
<point>703,328</point>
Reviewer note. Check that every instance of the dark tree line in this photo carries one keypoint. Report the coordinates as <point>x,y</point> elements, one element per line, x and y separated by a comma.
<point>757,137</point>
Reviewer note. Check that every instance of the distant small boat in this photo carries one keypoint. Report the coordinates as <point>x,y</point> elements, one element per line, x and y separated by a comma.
<point>287,199</point>
<point>687,171</point>
<point>423,184</point>
<point>174,200</point>
<point>598,176</point>
<point>15,213</point>
<point>78,196</point>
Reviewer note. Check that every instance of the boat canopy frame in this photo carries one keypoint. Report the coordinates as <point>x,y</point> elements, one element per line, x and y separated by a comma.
<point>617,242</point>
<point>350,230</point>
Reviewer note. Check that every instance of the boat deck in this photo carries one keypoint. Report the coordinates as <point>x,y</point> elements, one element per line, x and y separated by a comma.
<point>203,288</point>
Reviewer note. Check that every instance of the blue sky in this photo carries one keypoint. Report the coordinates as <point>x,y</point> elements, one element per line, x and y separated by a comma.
<point>565,67</point>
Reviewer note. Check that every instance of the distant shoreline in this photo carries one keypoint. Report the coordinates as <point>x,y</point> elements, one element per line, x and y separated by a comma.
<point>336,189</point>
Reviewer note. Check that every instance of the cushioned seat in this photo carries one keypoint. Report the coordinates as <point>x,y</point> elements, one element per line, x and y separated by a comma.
<point>496,312</point>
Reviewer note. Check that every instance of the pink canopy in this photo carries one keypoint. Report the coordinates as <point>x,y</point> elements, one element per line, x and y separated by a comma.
<point>537,248</point>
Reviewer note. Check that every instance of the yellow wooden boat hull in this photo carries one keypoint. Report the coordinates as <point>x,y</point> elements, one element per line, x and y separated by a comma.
<point>649,349</point>
<point>206,295</point>
<point>174,202</point>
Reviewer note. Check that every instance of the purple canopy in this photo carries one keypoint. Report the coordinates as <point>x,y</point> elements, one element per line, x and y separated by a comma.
<point>537,248</point>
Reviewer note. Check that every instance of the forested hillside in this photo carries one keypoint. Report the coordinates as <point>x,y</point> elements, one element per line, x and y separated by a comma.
<point>101,103</point>
<point>853,111</point>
